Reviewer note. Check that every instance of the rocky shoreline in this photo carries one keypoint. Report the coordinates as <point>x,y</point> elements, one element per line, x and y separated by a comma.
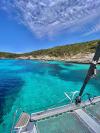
<point>79,58</point>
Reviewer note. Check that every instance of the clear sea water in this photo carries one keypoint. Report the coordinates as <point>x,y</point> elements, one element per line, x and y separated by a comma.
<point>31,86</point>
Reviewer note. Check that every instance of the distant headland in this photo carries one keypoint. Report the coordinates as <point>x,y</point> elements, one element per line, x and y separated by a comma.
<point>79,53</point>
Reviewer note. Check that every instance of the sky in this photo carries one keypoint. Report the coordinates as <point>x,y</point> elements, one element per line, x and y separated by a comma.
<point>28,25</point>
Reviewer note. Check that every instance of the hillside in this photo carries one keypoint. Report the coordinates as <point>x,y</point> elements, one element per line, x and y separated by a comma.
<point>8,55</point>
<point>81,52</point>
<point>66,50</point>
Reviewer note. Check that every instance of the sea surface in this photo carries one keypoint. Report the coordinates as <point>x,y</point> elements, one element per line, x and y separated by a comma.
<point>32,86</point>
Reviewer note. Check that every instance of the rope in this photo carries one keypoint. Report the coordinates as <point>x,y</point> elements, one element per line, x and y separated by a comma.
<point>14,117</point>
<point>51,106</point>
<point>57,102</point>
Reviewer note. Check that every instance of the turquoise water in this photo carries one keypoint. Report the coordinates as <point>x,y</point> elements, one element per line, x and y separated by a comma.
<point>31,86</point>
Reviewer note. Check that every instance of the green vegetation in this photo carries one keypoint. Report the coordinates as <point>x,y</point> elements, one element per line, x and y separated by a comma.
<point>60,51</point>
<point>86,47</point>
<point>8,55</point>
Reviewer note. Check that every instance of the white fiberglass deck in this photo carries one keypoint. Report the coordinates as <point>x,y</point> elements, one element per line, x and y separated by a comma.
<point>88,120</point>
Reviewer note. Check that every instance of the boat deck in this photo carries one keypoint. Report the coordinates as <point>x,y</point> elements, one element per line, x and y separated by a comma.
<point>44,121</point>
<point>88,120</point>
<point>60,110</point>
<point>23,120</point>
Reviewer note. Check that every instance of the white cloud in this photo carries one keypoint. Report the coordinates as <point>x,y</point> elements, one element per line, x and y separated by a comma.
<point>95,29</point>
<point>47,17</point>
